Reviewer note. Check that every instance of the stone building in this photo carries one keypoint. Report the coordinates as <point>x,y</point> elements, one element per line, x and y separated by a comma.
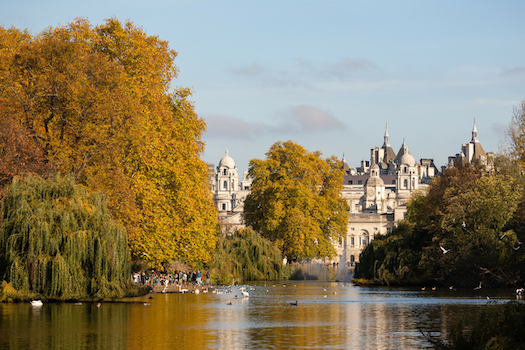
<point>376,192</point>
<point>229,193</point>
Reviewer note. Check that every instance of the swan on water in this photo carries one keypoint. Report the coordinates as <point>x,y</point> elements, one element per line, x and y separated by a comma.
<point>37,303</point>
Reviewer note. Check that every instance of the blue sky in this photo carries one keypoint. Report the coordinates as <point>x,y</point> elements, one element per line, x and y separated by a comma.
<point>330,74</point>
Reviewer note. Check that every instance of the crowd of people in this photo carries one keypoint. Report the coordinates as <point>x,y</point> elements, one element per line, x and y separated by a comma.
<point>196,278</point>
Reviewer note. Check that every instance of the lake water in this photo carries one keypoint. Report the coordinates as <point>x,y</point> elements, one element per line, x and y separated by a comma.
<point>328,315</point>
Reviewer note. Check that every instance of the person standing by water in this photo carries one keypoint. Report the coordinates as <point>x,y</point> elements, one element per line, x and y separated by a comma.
<point>199,278</point>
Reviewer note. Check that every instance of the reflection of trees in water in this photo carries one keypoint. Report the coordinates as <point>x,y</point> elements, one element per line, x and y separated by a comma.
<point>353,317</point>
<point>65,326</point>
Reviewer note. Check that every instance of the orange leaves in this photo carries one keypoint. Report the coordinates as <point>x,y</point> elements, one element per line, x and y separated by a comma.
<point>96,102</point>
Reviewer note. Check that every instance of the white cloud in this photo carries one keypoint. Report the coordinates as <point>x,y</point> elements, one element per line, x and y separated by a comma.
<point>224,127</point>
<point>306,118</point>
<point>296,120</point>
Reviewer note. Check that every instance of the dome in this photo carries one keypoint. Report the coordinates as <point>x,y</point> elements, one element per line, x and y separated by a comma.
<point>374,182</point>
<point>408,159</point>
<point>227,161</point>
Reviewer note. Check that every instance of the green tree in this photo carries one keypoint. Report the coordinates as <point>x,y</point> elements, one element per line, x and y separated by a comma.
<point>296,201</point>
<point>465,213</point>
<point>97,102</point>
<point>60,241</point>
<point>247,256</point>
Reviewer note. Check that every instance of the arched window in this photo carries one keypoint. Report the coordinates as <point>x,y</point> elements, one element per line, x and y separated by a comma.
<point>364,239</point>
<point>405,183</point>
<point>225,184</point>
<point>224,172</point>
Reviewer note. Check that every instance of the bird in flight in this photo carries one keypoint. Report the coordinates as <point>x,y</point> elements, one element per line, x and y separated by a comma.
<point>445,251</point>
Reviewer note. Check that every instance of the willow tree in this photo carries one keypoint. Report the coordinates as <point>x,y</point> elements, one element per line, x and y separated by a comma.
<point>247,256</point>
<point>296,201</point>
<point>98,102</point>
<point>60,241</point>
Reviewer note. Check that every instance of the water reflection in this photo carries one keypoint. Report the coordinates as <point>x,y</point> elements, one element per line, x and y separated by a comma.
<point>327,315</point>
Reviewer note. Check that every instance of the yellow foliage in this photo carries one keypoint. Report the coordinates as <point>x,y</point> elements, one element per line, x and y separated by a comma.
<point>98,101</point>
<point>296,201</point>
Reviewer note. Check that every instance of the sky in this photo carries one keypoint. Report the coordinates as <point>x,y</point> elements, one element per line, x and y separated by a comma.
<point>329,75</point>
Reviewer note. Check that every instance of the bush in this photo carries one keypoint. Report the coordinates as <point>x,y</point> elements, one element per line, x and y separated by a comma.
<point>499,327</point>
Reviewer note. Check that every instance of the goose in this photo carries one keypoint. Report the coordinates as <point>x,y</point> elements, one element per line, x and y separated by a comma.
<point>36,303</point>
<point>147,304</point>
<point>294,304</point>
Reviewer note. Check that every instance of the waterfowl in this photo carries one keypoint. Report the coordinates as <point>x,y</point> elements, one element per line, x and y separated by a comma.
<point>36,303</point>
<point>294,304</point>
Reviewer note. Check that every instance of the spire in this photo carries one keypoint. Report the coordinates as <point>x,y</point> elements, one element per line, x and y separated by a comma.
<point>387,143</point>
<point>475,132</point>
<point>226,152</point>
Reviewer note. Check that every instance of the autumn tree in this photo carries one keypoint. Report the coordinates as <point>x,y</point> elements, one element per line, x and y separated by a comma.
<point>19,153</point>
<point>98,103</point>
<point>514,144</point>
<point>296,201</point>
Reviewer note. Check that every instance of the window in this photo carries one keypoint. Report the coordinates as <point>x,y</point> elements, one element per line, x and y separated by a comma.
<point>223,206</point>
<point>364,240</point>
<point>224,172</point>
<point>405,183</point>
<point>359,182</point>
<point>349,182</point>
<point>352,240</point>
<point>225,185</point>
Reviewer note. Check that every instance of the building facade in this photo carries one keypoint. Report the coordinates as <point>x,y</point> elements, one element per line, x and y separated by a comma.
<point>377,191</point>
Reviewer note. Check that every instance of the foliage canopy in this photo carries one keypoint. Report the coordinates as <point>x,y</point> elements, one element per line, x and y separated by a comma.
<point>296,201</point>
<point>60,241</point>
<point>248,257</point>
<point>96,103</point>
<point>466,214</point>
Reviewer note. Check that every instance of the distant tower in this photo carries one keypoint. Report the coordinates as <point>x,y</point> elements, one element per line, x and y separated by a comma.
<point>407,176</point>
<point>227,184</point>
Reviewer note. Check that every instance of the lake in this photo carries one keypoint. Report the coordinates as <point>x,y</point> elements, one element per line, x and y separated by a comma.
<point>328,315</point>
